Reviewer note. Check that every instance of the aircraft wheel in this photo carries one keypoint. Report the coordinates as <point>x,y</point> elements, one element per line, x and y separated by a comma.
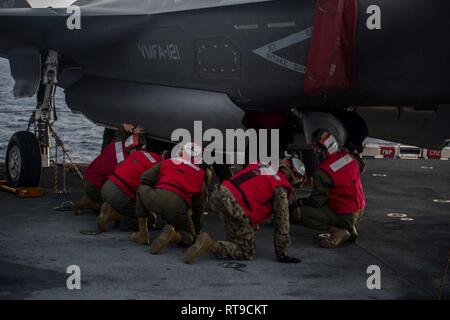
<point>23,160</point>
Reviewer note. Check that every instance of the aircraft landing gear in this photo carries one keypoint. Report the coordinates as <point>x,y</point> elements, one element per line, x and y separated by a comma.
<point>23,160</point>
<point>27,153</point>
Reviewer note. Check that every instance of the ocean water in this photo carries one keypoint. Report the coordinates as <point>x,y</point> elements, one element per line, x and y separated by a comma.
<point>81,137</point>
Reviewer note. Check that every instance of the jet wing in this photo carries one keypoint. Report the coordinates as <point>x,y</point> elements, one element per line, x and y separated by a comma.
<point>21,20</point>
<point>129,6</point>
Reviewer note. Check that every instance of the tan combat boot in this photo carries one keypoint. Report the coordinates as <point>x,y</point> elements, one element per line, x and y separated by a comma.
<point>142,236</point>
<point>80,204</point>
<point>337,237</point>
<point>85,203</point>
<point>168,236</point>
<point>203,244</point>
<point>107,214</point>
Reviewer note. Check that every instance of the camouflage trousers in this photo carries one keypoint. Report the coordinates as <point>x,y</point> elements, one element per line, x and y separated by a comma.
<point>240,244</point>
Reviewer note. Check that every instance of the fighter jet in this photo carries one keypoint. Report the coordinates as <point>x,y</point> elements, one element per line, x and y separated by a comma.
<point>296,65</point>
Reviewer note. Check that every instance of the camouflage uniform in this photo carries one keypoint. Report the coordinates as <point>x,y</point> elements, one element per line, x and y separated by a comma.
<point>170,206</point>
<point>240,244</point>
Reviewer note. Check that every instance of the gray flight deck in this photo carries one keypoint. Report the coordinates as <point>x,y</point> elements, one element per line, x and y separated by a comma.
<point>37,244</point>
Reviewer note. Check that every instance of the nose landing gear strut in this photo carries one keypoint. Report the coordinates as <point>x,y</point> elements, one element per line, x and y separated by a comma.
<point>28,152</point>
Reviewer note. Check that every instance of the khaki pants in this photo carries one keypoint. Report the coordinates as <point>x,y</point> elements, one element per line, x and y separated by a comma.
<point>123,204</point>
<point>92,191</point>
<point>170,206</point>
<point>324,218</point>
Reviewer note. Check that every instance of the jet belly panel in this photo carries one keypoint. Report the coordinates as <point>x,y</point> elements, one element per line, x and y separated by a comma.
<point>160,109</point>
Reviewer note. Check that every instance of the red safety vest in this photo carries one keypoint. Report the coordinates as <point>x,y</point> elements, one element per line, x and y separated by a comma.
<point>346,196</point>
<point>103,166</point>
<point>181,177</point>
<point>127,175</point>
<point>253,188</point>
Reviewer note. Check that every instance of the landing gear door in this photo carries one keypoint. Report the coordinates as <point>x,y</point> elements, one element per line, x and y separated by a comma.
<point>317,120</point>
<point>332,56</point>
<point>25,63</point>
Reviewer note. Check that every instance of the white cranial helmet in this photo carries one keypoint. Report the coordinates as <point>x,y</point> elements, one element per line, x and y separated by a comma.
<point>191,152</point>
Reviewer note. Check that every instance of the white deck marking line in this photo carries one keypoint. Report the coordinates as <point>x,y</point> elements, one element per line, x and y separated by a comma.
<point>282,25</point>
<point>246,27</point>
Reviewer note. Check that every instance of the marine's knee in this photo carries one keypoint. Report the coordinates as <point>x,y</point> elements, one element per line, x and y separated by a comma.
<point>109,191</point>
<point>142,191</point>
<point>250,255</point>
<point>249,252</point>
<point>144,197</point>
<point>308,212</point>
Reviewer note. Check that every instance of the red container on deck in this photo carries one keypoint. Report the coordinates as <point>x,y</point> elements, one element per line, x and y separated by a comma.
<point>387,151</point>
<point>434,154</point>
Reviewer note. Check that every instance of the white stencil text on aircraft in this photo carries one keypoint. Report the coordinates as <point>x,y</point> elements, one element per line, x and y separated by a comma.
<point>168,52</point>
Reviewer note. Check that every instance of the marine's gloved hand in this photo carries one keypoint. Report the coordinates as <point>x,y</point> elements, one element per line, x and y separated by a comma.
<point>128,127</point>
<point>286,259</point>
<point>139,129</point>
<point>165,154</point>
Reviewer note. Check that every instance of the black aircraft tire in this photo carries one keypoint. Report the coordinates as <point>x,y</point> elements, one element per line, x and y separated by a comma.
<point>23,160</point>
